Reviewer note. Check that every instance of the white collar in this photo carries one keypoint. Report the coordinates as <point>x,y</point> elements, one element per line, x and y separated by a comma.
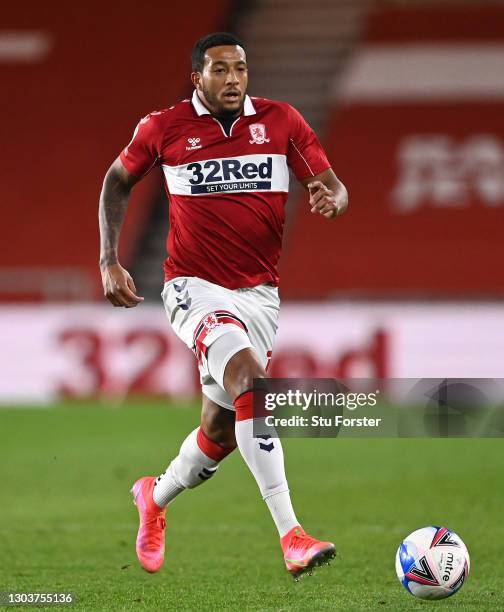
<point>201,109</point>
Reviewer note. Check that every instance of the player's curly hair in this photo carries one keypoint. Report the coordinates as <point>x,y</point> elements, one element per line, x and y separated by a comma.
<point>216,39</point>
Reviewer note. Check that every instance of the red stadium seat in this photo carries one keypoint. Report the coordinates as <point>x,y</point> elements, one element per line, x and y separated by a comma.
<point>77,81</point>
<point>417,135</point>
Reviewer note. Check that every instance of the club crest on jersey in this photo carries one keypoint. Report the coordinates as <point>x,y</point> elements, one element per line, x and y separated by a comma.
<point>258,133</point>
<point>195,144</point>
<point>210,321</point>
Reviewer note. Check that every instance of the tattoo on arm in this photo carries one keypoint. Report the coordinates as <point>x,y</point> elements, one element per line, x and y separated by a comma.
<point>112,210</point>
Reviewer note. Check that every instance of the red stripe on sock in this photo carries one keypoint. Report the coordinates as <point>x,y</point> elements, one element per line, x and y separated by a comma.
<point>244,407</point>
<point>210,448</point>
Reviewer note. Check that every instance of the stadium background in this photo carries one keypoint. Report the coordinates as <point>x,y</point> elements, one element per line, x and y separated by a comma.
<point>408,99</point>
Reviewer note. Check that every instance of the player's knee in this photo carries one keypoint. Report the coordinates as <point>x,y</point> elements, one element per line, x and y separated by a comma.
<point>241,371</point>
<point>223,350</point>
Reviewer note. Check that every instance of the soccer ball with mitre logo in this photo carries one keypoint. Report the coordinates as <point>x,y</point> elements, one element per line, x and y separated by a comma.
<point>432,563</point>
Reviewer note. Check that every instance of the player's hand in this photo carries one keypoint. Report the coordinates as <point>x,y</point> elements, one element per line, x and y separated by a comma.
<point>118,286</point>
<point>326,202</point>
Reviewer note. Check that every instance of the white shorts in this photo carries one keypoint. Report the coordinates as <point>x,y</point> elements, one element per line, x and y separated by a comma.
<point>200,312</point>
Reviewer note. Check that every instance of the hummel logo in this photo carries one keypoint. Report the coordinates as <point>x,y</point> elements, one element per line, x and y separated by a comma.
<point>180,287</point>
<point>194,142</point>
<point>184,301</point>
<point>266,447</point>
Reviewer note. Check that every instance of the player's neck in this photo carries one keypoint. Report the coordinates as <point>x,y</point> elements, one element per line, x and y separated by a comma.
<point>219,116</point>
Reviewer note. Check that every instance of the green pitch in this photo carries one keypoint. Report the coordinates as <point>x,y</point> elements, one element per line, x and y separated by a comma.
<point>68,522</point>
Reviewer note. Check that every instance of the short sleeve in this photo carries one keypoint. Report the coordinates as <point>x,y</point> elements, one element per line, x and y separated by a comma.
<point>143,150</point>
<point>305,157</point>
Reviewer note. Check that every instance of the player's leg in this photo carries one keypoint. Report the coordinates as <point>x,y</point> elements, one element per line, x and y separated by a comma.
<point>218,423</point>
<point>200,454</point>
<point>187,302</point>
<point>235,371</point>
<point>264,457</point>
<point>197,461</point>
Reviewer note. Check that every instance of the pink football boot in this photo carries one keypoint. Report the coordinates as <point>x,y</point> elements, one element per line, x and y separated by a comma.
<point>150,542</point>
<point>302,552</point>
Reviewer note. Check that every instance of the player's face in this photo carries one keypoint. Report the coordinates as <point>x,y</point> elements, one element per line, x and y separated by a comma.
<point>224,79</point>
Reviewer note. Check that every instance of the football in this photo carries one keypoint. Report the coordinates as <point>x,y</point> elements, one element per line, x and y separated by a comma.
<point>432,563</point>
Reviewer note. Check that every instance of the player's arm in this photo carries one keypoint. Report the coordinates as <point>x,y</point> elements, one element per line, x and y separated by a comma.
<point>328,195</point>
<point>118,286</point>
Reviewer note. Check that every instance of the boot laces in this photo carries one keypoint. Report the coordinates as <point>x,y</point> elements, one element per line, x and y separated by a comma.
<point>154,532</point>
<point>302,541</point>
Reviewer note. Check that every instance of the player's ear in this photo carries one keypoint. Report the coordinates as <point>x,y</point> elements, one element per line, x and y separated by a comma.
<point>196,79</point>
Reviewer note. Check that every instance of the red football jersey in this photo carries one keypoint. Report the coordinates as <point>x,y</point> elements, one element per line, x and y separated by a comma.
<point>227,193</point>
